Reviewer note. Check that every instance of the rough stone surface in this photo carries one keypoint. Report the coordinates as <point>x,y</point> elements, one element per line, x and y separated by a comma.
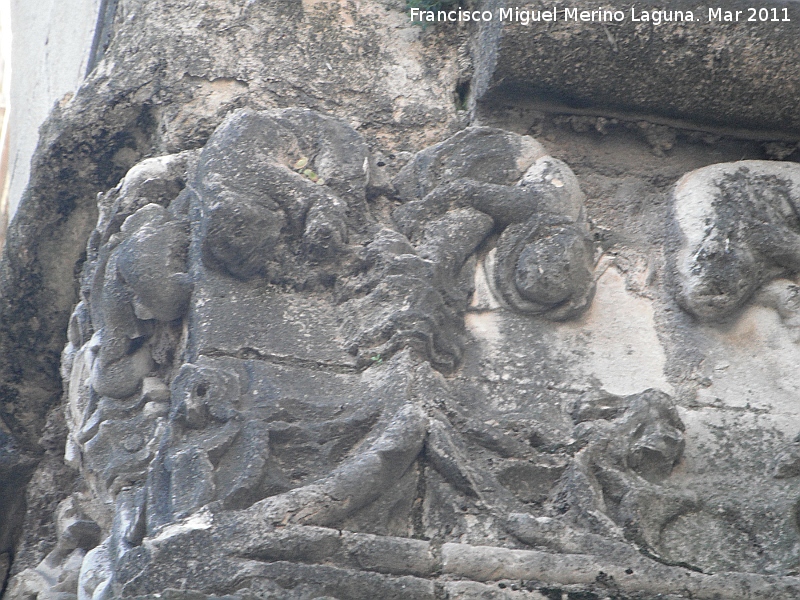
<point>333,337</point>
<point>739,230</point>
<point>171,74</point>
<point>189,435</point>
<point>710,72</point>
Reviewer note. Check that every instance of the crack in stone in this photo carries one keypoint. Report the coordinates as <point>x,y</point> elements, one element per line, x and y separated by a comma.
<point>248,353</point>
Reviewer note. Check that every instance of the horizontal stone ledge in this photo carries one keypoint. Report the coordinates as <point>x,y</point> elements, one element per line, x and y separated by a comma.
<point>242,540</point>
<point>617,117</point>
<point>741,74</point>
<point>486,563</point>
<point>383,554</point>
<point>243,534</point>
<point>214,577</point>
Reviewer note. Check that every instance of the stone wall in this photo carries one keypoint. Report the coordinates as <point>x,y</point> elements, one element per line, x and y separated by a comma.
<point>307,301</point>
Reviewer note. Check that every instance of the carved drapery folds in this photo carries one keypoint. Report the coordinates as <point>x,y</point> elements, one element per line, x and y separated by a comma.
<point>123,332</point>
<point>123,339</point>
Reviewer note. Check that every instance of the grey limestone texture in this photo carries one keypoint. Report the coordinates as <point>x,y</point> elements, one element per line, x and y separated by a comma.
<point>735,73</point>
<point>303,302</point>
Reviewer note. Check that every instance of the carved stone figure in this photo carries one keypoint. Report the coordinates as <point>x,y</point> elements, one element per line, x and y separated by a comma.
<point>478,184</point>
<point>625,446</point>
<point>265,371</point>
<point>739,230</point>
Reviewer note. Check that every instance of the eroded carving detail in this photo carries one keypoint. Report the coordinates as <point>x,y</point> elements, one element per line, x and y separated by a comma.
<point>493,181</point>
<point>316,447</point>
<point>457,195</point>
<point>625,446</point>
<point>740,229</point>
<point>739,244</point>
<point>260,216</point>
